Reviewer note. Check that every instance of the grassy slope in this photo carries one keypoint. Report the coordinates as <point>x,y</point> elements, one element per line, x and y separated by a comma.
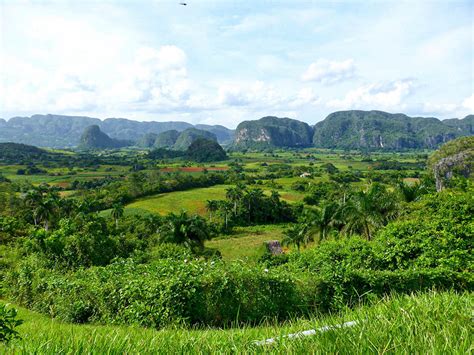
<point>427,323</point>
<point>193,201</point>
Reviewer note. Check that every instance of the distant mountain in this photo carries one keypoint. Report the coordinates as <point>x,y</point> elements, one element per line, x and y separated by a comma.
<point>94,138</point>
<point>382,130</point>
<point>16,152</point>
<point>272,132</point>
<point>122,128</point>
<point>58,131</point>
<point>344,129</point>
<point>188,136</point>
<point>205,150</point>
<point>147,140</point>
<point>224,135</point>
<point>166,139</point>
<point>46,130</point>
<point>464,126</point>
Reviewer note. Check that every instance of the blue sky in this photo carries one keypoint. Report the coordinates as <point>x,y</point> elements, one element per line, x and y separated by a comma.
<point>221,62</point>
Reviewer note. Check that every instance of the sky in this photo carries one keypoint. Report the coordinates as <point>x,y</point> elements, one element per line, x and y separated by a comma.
<point>222,62</point>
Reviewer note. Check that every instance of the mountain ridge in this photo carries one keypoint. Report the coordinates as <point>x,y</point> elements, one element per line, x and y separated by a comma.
<point>351,129</point>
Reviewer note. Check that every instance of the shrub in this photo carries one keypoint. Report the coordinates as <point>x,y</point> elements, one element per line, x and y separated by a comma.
<point>8,323</point>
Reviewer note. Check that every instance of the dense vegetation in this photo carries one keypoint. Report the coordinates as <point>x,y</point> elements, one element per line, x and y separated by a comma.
<point>354,227</point>
<point>94,138</point>
<point>272,131</point>
<point>343,130</point>
<point>204,150</point>
<point>381,130</point>
<point>59,131</point>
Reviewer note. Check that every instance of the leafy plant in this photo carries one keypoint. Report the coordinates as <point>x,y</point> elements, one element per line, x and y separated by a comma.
<point>8,323</point>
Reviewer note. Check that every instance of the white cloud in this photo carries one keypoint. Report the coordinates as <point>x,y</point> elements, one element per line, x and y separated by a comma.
<point>376,96</point>
<point>329,72</point>
<point>468,103</point>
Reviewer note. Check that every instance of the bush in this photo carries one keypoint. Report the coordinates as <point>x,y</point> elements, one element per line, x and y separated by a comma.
<point>8,323</point>
<point>164,292</point>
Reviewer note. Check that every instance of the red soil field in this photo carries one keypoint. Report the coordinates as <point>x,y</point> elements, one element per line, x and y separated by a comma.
<point>194,169</point>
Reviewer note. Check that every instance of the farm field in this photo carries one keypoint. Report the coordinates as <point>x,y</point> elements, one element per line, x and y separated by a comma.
<point>431,323</point>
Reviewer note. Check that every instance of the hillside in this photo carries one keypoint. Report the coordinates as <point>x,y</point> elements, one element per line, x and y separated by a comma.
<point>380,326</point>
<point>205,150</point>
<point>465,125</point>
<point>147,140</point>
<point>272,132</point>
<point>94,138</point>
<point>60,131</point>
<point>382,130</point>
<point>224,135</point>
<point>188,136</point>
<point>15,152</point>
<point>166,139</point>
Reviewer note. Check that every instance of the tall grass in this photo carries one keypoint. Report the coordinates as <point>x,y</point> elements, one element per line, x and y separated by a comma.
<point>429,323</point>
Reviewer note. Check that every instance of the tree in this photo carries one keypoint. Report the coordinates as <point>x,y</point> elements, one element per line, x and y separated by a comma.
<point>212,206</point>
<point>117,212</point>
<point>322,221</point>
<point>366,211</point>
<point>410,193</point>
<point>299,234</point>
<point>225,208</point>
<point>234,194</point>
<point>185,230</point>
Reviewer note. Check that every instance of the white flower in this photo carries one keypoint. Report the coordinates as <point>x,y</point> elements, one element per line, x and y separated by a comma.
<point>266,270</point>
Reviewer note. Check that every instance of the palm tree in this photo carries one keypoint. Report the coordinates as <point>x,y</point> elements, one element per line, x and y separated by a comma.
<point>234,195</point>
<point>185,230</point>
<point>325,219</point>
<point>412,192</point>
<point>299,234</point>
<point>212,206</point>
<point>367,211</point>
<point>45,210</point>
<point>253,198</point>
<point>117,212</point>
<point>32,199</point>
<point>225,208</point>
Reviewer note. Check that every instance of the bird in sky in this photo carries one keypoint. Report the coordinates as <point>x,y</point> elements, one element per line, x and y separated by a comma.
<point>183,3</point>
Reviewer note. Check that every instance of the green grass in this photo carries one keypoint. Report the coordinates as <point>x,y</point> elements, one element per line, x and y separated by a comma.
<point>246,242</point>
<point>193,201</point>
<point>431,323</point>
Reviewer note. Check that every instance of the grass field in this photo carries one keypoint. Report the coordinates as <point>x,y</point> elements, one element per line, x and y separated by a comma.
<point>192,201</point>
<point>432,323</point>
<point>246,242</point>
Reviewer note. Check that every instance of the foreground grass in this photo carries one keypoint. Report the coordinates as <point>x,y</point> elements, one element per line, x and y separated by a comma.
<point>427,323</point>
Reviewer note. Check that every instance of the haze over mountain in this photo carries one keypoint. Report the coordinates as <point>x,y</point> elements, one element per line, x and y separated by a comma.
<point>382,130</point>
<point>94,138</point>
<point>59,131</point>
<point>352,129</point>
